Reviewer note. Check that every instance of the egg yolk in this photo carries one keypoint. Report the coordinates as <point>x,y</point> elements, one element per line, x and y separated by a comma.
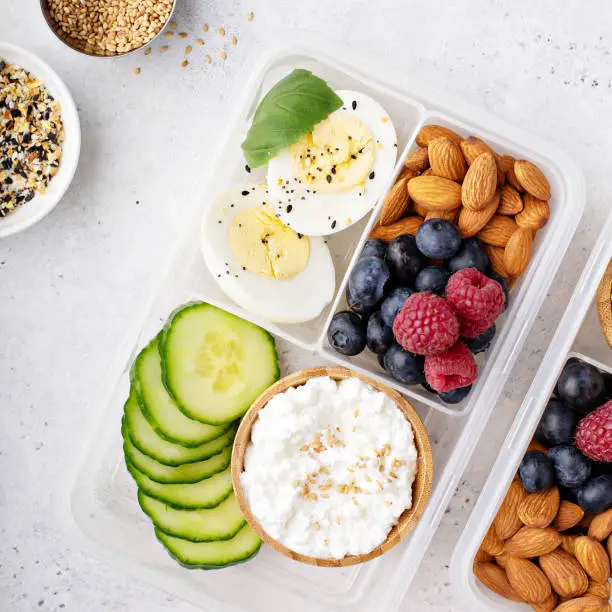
<point>265,246</point>
<point>336,156</point>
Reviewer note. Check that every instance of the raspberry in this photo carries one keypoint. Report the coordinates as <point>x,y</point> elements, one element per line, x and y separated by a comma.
<point>451,370</point>
<point>426,325</point>
<point>594,434</point>
<point>475,297</point>
<point>472,329</point>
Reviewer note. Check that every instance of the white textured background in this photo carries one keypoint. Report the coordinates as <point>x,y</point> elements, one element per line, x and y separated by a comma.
<point>68,285</point>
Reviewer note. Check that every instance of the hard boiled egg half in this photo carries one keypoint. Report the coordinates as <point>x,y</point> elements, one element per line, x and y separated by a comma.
<point>262,264</point>
<point>335,175</point>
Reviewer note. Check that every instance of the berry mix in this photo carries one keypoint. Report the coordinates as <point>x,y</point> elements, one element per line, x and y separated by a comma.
<point>572,447</point>
<point>425,305</point>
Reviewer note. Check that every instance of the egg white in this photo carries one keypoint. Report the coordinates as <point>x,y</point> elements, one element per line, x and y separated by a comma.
<point>320,214</point>
<point>294,300</point>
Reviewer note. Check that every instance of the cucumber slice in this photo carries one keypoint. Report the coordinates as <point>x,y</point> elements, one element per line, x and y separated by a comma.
<point>215,364</point>
<point>160,409</point>
<point>211,555</point>
<point>182,474</point>
<point>148,442</point>
<point>220,523</point>
<point>206,493</point>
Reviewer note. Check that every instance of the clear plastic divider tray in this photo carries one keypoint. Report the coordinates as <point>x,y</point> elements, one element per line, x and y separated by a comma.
<point>579,322</point>
<point>103,510</point>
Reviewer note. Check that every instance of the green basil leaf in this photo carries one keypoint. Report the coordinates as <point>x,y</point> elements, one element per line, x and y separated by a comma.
<point>287,112</point>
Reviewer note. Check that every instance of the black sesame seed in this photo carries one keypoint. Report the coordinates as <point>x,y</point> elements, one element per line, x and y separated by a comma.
<point>244,268</point>
<point>350,138</point>
<point>333,170</point>
<point>354,104</point>
<point>245,192</point>
<point>219,222</point>
<point>300,236</point>
<point>372,175</point>
<point>328,178</point>
<point>227,272</point>
<point>247,168</point>
<point>289,208</point>
<point>333,225</point>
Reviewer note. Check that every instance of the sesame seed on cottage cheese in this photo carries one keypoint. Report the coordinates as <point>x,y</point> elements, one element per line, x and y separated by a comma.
<point>330,467</point>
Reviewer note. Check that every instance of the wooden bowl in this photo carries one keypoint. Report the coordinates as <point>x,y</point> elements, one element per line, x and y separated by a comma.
<point>421,488</point>
<point>604,304</point>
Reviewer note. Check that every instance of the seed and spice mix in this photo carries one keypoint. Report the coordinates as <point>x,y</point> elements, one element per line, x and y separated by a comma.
<point>31,137</point>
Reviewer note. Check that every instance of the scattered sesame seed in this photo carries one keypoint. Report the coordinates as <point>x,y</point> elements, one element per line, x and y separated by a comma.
<point>250,16</point>
<point>168,34</point>
<point>199,41</point>
<point>205,27</point>
<point>234,40</point>
<point>354,104</point>
<point>221,31</point>
<point>183,34</point>
<point>173,24</point>
<point>136,70</point>
<point>184,63</point>
<point>188,49</point>
<point>148,51</point>
<point>163,49</point>
<point>385,119</point>
<point>388,503</point>
<point>223,55</point>
<point>372,175</point>
<point>208,60</point>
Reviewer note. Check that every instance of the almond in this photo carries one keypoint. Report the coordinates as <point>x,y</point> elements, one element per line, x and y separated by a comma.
<point>518,252</point>
<point>535,213</point>
<point>548,605</point>
<point>397,202</point>
<point>472,221</point>
<point>449,215</point>
<point>584,604</point>
<point>540,509</point>
<point>480,182</point>
<point>601,525</point>
<point>507,164</point>
<point>599,589</point>
<point>430,132</point>
<point>609,546</point>
<point>532,542</point>
<point>427,172</point>
<point>586,521</point>
<point>482,556</point>
<point>532,179</point>
<point>569,516</point>
<point>408,225</point>
<point>593,558</point>
<point>566,575</point>
<point>472,147</point>
<point>511,201</point>
<point>435,192</point>
<point>534,445</point>
<point>568,542</point>
<point>418,160</point>
<point>419,210</point>
<point>495,579</point>
<point>496,259</point>
<point>528,580</point>
<point>498,231</point>
<point>492,543</point>
<point>501,175</point>
<point>502,560</point>
<point>446,159</point>
<point>507,522</point>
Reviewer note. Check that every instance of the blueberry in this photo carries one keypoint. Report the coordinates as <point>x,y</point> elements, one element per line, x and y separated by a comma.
<point>470,255</point>
<point>381,360</point>
<point>569,494</point>
<point>432,278</point>
<point>393,304</point>
<point>504,285</point>
<point>379,337</point>
<point>557,424</point>
<point>404,259</point>
<point>596,494</point>
<point>405,367</point>
<point>536,472</point>
<point>598,468</point>
<point>367,280</point>
<point>572,468</point>
<point>347,333</point>
<point>481,343</point>
<point>456,395</point>
<point>374,247</point>
<point>438,239</point>
<point>358,307</point>
<point>581,386</point>
<point>608,382</point>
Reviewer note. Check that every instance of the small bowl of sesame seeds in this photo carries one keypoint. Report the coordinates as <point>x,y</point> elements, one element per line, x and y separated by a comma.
<point>107,28</point>
<point>331,468</point>
<point>40,139</point>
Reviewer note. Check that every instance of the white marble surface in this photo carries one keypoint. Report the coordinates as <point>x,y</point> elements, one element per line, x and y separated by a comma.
<point>68,285</point>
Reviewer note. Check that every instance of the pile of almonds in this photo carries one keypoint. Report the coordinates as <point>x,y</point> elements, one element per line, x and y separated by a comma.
<point>547,553</point>
<point>496,198</point>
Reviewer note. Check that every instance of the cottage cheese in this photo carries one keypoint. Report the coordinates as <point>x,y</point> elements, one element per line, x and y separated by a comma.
<point>330,467</point>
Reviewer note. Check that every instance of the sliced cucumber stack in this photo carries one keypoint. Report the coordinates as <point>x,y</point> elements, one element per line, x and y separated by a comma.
<point>215,364</point>
<point>189,386</point>
<point>160,409</point>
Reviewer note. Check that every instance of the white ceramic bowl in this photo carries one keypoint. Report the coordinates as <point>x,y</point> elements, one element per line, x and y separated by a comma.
<point>34,210</point>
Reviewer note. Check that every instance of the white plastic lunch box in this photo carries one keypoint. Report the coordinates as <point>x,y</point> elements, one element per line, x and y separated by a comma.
<point>103,511</point>
<point>580,316</point>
